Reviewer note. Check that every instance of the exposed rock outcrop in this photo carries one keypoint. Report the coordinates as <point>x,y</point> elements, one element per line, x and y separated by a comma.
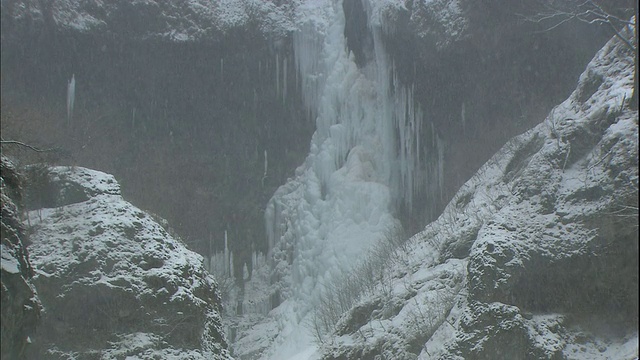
<point>112,281</point>
<point>20,303</point>
<point>543,242</point>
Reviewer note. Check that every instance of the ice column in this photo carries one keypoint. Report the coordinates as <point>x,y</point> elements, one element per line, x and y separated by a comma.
<point>71,98</point>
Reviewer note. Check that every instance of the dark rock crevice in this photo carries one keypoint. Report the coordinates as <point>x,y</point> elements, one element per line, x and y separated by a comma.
<point>357,32</point>
<point>21,306</point>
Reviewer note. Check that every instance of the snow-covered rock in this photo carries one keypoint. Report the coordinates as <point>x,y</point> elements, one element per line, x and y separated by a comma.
<point>536,256</point>
<point>113,282</point>
<point>444,21</point>
<point>177,21</point>
<point>195,20</point>
<point>20,303</point>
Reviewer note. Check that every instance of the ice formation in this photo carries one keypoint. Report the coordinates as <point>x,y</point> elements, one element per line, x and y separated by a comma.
<point>71,98</point>
<point>365,156</point>
<point>366,161</point>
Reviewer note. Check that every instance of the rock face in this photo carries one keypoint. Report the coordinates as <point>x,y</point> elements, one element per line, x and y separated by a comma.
<point>112,281</point>
<point>178,21</point>
<point>536,257</point>
<point>215,80</point>
<point>20,304</point>
<point>221,78</point>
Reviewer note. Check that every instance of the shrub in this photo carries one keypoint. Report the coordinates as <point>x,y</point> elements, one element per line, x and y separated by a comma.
<point>346,289</point>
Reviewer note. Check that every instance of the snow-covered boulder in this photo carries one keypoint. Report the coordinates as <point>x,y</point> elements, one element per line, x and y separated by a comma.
<point>535,257</point>
<point>20,303</point>
<point>113,282</point>
<point>51,187</point>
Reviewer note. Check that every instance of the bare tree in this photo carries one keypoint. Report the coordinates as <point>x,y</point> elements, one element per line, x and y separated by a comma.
<point>30,147</point>
<point>617,18</point>
<point>556,13</point>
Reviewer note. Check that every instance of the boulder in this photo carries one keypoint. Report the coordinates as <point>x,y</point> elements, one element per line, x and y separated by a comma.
<point>113,282</point>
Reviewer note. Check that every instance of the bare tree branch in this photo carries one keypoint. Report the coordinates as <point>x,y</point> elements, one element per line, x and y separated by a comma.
<point>589,12</point>
<point>13,142</point>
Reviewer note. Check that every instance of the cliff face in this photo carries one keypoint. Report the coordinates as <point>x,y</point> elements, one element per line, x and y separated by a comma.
<point>112,281</point>
<point>21,306</point>
<point>536,257</point>
<point>216,85</point>
<point>207,87</point>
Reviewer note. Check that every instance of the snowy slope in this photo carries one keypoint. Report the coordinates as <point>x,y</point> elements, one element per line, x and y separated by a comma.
<point>114,283</point>
<point>536,257</point>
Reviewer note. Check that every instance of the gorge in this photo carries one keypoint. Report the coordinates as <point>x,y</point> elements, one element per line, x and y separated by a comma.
<point>294,142</point>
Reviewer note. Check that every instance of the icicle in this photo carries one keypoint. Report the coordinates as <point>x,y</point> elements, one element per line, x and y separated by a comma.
<point>440,167</point>
<point>284,81</point>
<point>270,220</point>
<point>226,255</point>
<point>222,70</point>
<point>369,134</point>
<point>266,163</point>
<point>254,262</point>
<point>255,102</point>
<point>308,45</point>
<point>210,245</point>
<point>71,97</point>
<point>277,76</point>
<point>464,119</point>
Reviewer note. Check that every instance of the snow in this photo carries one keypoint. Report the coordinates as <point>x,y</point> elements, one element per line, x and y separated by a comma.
<point>93,181</point>
<point>344,197</point>
<point>179,21</point>
<point>106,242</point>
<point>65,14</point>
<point>497,214</point>
<point>443,18</point>
<point>352,174</point>
<point>356,176</point>
<point>9,262</point>
<point>600,349</point>
<point>307,354</point>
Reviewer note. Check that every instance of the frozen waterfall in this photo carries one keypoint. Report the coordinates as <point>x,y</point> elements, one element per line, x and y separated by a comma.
<point>366,160</point>
<point>71,98</point>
